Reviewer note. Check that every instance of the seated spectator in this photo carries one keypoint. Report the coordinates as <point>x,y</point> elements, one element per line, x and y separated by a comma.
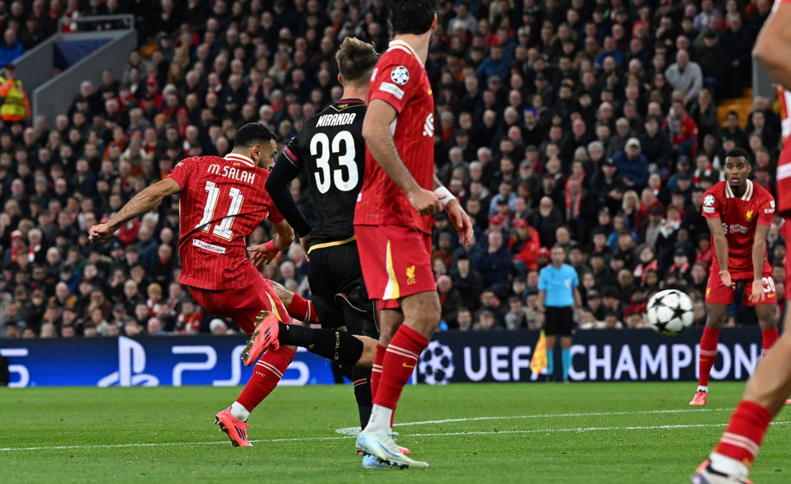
<point>486,322</point>
<point>10,48</point>
<point>217,327</point>
<point>516,317</point>
<point>632,165</point>
<point>524,244</point>
<point>494,265</point>
<point>464,319</point>
<point>682,129</point>
<point>450,300</point>
<point>685,76</point>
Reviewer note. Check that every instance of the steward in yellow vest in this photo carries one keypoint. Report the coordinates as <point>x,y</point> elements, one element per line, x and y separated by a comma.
<point>16,105</point>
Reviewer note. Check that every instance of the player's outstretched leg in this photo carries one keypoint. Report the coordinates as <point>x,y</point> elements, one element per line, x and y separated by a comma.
<point>266,375</point>
<point>420,315</point>
<point>708,351</point>
<point>764,396</point>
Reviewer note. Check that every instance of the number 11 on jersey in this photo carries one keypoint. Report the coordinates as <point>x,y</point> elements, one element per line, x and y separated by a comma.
<point>223,230</point>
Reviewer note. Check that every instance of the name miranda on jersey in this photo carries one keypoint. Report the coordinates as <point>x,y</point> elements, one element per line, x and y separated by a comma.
<point>243,176</point>
<point>336,119</point>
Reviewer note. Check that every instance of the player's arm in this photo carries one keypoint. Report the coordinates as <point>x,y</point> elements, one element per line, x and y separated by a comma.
<point>774,43</point>
<point>379,138</point>
<point>577,298</point>
<point>456,213</point>
<point>759,251</point>
<point>142,203</point>
<point>282,174</point>
<point>721,246</point>
<point>264,253</point>
<point>542,297</point>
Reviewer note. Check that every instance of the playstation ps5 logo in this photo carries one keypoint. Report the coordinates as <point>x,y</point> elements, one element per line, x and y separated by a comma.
<point>131,364</point>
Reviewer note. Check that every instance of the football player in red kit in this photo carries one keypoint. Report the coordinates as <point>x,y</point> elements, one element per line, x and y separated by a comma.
<point>739,213</point>
<point>770,385</point>
<point>223,200</point>
<point>394,216</point>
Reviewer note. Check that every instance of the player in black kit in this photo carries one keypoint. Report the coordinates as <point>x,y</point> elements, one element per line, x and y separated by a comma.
<point>331,147</point>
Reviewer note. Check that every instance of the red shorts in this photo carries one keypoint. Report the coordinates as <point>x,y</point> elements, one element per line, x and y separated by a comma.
<point>396,262</point>
<point>718,293</point>
<point>242,304</point>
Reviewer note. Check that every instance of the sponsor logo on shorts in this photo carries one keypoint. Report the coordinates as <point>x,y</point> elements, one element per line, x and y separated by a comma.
<point>410,276</point>
<point>207,246</point>
<point>708,293</point>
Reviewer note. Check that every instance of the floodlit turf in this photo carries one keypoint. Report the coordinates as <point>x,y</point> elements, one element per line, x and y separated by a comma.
<point>541,433</point>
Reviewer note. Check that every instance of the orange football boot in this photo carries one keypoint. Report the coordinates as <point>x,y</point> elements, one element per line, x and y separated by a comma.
<point>233,427</point>
<point>264,338</point>
<point>700,399</point>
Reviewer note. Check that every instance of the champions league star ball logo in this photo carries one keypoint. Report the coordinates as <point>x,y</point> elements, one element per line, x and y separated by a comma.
<point>400,75</point>
<point>436,364</point>
<point>709,201</point>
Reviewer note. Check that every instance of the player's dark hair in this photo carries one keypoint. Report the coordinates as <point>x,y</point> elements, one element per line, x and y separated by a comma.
<point>738,153</point>
<point>252,134</point>
<point>412,16</point>
<point>356,59</point>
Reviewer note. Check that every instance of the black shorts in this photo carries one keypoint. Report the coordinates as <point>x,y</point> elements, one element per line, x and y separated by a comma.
<point>339,295</point>
<point>559,321</point>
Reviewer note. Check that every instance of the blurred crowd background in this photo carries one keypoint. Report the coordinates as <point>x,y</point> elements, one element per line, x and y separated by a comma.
<point>591,124</point>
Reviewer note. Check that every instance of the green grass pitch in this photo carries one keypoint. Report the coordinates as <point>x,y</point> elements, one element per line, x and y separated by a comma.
<point>550,433</point>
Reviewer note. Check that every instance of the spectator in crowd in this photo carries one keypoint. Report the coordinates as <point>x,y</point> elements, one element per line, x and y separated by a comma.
<point>10,48</point>
<point>685,76</point>
<point>632,165</point>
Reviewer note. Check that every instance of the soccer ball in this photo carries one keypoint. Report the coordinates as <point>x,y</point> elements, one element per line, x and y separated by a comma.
<point>670,312</point>
<point>436,364</point>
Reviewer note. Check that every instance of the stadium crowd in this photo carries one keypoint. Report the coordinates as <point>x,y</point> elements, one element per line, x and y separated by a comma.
<point>592,125</point>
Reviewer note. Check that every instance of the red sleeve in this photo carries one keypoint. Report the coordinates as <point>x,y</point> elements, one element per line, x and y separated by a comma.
<point>180,173</point>
<point>766,211</point>
<point>711,205</point>
<point>395,83</point>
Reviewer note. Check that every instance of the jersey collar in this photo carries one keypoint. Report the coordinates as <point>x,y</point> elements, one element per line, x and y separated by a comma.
<point>401,45</point>
<point>241,158</point>
<point>748,193</point>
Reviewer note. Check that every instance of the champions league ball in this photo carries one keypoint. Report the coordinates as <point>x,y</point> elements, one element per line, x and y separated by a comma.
<point>436,364</point>
<point>670,312</point>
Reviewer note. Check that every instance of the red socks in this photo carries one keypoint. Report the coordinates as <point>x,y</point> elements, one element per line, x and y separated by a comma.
<point>400,360</point>
<point>376,369</point>
<point>769,339</point>
<point>708,354</point>
<point>302,309</point>
<point>742,439</point>
<point>266,374</point>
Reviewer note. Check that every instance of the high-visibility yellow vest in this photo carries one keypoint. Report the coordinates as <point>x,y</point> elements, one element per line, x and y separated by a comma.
<point>16,106</point>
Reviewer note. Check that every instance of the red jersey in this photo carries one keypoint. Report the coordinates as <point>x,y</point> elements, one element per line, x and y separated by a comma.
<point>740,216</point>
<point>223,200</point>
<point>400,80</point>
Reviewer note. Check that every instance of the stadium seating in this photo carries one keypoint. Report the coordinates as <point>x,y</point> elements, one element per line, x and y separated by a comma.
<point>536,104</point>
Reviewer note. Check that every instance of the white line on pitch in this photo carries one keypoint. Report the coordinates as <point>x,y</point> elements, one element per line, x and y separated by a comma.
<point>356,430</point>
<point>349,437</point>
